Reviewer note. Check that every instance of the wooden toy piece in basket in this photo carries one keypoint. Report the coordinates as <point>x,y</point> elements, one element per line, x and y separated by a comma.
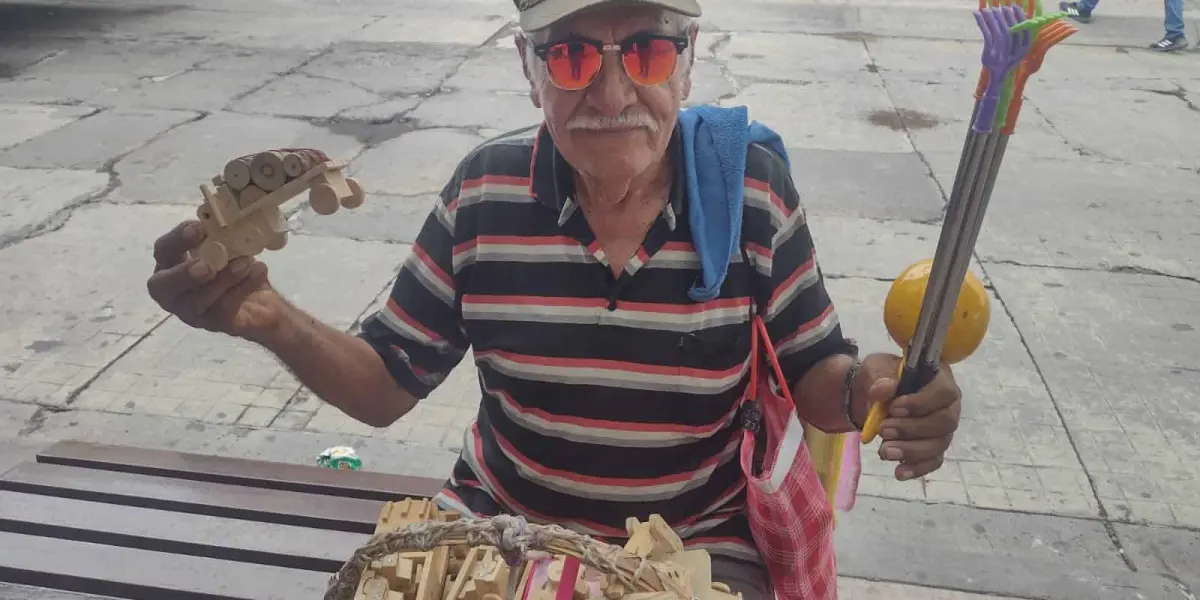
<point>241,211</point>
<point>460,571</point>
<point>409,575</point>
<point>651,540</point>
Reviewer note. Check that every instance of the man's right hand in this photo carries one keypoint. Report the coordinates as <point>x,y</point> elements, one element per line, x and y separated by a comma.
<point>238,300</point>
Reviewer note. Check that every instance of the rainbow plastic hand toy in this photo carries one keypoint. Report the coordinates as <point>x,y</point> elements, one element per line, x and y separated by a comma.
<point>936,309</point>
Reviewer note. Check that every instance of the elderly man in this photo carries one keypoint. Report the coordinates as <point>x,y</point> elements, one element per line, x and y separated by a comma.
<point>562,255</point>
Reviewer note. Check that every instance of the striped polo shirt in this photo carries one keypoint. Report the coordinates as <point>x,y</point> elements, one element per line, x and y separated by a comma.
<point>601,397</point>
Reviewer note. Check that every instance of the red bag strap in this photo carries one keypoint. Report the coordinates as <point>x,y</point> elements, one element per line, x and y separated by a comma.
<point>754,357</point>
<point>758,328</point>
<point>768,350</point>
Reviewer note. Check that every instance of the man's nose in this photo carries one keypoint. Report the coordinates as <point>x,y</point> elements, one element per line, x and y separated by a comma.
<point>612,91</point>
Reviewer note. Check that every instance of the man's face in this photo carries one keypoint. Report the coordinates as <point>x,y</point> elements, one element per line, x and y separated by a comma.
<point>614,127</point>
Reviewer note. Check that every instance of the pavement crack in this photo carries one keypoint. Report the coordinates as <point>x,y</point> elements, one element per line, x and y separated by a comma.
<point>184,71</point>
<point>715,47</point>
<point>59,219</point>
<point>752,80</point>
<point>1079,149</point>
<point>383,99</point>
<point>440,87</point>
<point>1119,269</point>
<point>47,57</point>
<point>345,83</point>
<point>303,391</point>
<point>95,111</point>
<point>904,124</point>
<point>835,276</point>
<point>508,28</point>
<point>1184,589</point>
<point>292,71</point>
<point>74,395</point>
<point>1179,92</point>
<point>1109,528</point>
<point>110,165</point>
<point>37,420</point>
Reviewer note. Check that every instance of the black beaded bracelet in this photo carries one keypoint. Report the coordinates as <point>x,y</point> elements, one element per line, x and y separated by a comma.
<point>848,392</point>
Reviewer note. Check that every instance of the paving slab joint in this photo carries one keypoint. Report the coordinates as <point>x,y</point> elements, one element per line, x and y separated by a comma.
<point>929,171</point>
<point>1109,529</point>
<point>352,330</point>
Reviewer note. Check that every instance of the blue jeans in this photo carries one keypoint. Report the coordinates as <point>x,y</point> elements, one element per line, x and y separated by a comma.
<point>1173,21</point>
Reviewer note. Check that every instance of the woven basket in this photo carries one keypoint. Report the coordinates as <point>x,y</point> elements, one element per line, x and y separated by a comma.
<point>517,541</point>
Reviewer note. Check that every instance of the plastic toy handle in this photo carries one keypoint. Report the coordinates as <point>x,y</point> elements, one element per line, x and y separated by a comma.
<point>1018,49</point>
<point>1032,7</point>
<point>1006,97</point>
<point>911,382</point>
<point>1047,38</point>
<point>1035,24</point>
<point>1018,98</point>
<point>995,48</point>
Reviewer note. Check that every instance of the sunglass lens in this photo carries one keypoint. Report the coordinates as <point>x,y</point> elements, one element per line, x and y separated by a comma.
<point>573,65</point>
<point>650,62</point>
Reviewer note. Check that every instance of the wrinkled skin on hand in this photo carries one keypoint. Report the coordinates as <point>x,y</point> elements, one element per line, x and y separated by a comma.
<point>238,300</point>
<point>920,426</point>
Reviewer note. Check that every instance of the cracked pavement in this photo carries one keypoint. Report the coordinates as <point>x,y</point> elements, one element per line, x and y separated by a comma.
<point>1074,474</point>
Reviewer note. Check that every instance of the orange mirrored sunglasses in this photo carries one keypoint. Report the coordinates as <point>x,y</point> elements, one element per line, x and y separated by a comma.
<point>648,58</point>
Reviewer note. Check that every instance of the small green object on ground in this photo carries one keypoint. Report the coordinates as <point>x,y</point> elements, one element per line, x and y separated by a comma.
<point>340,457</point>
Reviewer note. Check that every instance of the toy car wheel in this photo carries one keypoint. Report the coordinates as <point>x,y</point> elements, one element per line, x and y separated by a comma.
<point>323,199</point>
<point>253,240</point>
<point>357,194</point>
<point>214,255</point>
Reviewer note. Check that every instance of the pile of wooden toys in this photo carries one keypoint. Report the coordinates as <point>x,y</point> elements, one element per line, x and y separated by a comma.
<point>479,573</point>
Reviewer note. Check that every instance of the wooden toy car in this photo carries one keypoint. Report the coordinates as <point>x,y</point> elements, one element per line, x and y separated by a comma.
<point>241,214</point>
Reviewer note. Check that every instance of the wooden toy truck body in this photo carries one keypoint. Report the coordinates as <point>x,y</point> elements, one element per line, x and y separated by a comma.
<point>234,230</point>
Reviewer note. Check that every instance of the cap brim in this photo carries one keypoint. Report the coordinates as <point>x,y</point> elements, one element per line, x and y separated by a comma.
<point>549,12</point>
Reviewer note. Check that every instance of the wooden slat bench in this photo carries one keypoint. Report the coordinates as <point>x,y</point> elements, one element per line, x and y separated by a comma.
<point>83,521</point>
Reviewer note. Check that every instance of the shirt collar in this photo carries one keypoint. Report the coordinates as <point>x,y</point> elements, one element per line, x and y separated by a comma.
<point>553,186</point>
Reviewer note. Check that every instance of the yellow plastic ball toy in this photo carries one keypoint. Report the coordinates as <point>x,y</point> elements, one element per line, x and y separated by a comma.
<point>968,325</point>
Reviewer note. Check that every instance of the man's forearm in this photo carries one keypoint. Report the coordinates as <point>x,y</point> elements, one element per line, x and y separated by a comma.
<point>820,396</point>
<point>340,368</point>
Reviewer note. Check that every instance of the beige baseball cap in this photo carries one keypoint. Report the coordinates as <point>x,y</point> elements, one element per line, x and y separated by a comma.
<point>540,14</point>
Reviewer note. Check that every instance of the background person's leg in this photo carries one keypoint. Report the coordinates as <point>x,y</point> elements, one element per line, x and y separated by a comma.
<point>1080,11</point>
<point>1173,23</point>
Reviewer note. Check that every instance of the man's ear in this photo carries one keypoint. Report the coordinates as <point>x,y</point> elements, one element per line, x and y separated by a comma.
<point>527,69</point>
<point>693,32</point>
<point>691,56</point>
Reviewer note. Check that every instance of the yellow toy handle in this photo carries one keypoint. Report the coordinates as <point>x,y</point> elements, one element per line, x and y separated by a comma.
<point>875,417</point>
<point>911,380</point>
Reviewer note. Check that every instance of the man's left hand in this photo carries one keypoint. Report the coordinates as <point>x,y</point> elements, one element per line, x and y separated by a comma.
<point>919,426</point>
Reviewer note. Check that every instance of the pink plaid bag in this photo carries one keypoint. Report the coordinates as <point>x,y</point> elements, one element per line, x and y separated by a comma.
<point>789,510</point>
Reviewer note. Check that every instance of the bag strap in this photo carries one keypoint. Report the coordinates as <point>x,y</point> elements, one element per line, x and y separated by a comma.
<point>759,330</point>
<point>755,309</point>
<point>769,352</point>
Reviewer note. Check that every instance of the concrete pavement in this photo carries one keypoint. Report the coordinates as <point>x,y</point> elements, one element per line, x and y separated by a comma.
<point>1074,474</point>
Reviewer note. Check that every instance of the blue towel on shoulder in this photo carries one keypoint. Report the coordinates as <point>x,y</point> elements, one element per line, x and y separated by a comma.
<point>715,142</point>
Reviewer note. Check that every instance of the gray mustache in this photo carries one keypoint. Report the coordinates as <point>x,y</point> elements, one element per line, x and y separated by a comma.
<point>622,121</point>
